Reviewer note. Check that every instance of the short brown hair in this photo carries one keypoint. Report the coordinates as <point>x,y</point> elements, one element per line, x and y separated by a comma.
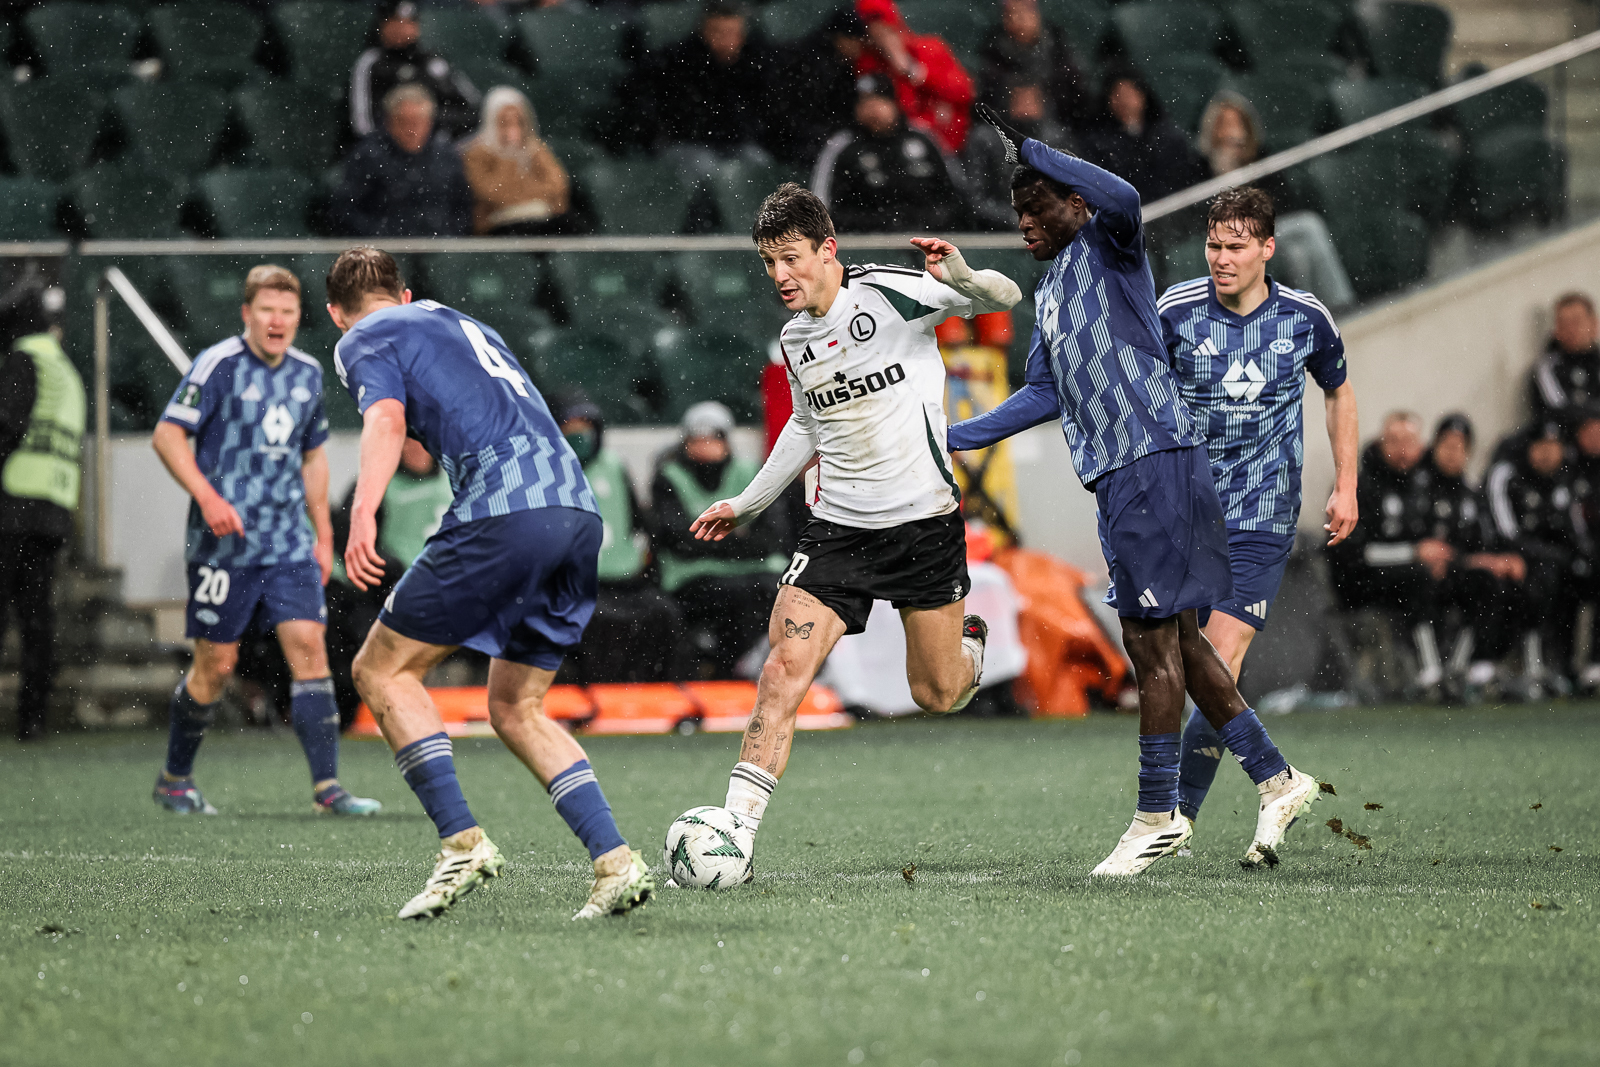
<point>269,276</point>
<point>792,211</point>
<point>1245,208</point>
<point>1575,297</point>
<point>363,270</point>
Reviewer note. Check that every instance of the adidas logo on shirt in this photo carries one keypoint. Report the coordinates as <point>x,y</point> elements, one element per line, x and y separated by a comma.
<point>252,394</point>
<point>1148,599</point>
<point>1258,609</point>
<point>1206,348</point>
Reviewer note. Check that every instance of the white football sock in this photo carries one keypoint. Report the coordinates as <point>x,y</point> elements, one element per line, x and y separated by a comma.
<point>749,789</point>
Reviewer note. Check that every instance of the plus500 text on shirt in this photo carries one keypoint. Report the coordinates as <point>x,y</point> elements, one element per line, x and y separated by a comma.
<point>1096,360</point>
<point>1245,376</point>
<point>251,424</point>
<point>868,381</point>
<point>471,406</point>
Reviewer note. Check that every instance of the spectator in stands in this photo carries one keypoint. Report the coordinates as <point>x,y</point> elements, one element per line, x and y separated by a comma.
<point>404,180</point>
<point>1021,97</point>
<point>412,508</point>
<point>636,628</point>
<point>1136,141</point>
<point>398,58</point>
<point>724,588</point>
<point>1392,561</point>
<point>881,174</point>
<point>1536,514</point>
<point>1586,489</point>
<point>1026,47</point>
<point>42,408</point>
<point>1230,133</point>
<point>709,98</point>
<point>1566,376</point>
<point>821,70</point>
<point>519,187</point>
<point>1484,588</point>
<point>930,85</point>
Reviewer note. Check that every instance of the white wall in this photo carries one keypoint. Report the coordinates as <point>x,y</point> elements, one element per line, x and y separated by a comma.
<point>1464,345</point>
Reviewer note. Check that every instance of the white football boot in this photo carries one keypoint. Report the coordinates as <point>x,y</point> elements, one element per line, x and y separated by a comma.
<point>1153,834</point>
<point>456,873</point>
<point>621,881</point>
<point>1186,851</point>
<point>1284,798</point>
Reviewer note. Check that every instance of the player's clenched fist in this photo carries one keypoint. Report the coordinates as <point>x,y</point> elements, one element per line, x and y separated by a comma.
<point>220,517</point>
<point>715,523</point>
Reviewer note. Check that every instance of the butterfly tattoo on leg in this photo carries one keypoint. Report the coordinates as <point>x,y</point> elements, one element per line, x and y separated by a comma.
<point>802,632</point>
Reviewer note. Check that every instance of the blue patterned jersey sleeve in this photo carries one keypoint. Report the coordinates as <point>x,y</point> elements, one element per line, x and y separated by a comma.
<point>192,404</point>
<point>1326,362</point>
<point>316,428</point>
<point>369,370</point>
<point>1036,402</point>
<point>1115,202</point>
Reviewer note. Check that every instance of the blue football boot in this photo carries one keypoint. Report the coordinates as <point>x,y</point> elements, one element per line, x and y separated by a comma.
<point>180,795</point>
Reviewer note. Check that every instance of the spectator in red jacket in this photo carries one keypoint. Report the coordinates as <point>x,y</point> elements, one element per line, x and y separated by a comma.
<point>932,88</point>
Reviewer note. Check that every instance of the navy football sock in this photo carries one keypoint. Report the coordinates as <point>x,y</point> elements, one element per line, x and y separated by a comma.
<point>431,773</point>
<point>316,723</point>
<point>1247,739</point>
<point>578,799</point>
<point>1202,753</point>
<point>188,721</point>
<point>1158,772</point>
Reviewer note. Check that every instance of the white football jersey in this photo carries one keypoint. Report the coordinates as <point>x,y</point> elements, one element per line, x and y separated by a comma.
<point>868,383</point>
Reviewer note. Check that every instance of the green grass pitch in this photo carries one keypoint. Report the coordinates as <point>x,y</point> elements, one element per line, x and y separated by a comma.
<point>267,935</point>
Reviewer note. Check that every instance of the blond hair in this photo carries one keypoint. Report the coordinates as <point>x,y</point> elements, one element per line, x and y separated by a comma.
<point>270,276</point>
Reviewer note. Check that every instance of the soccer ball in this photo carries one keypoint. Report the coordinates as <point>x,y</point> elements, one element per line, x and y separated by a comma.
<point>709,848</point>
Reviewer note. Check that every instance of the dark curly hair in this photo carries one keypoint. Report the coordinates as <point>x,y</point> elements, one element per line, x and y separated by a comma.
<point>1246,208</point>
<point>359,271</point>
<point>792,211</point>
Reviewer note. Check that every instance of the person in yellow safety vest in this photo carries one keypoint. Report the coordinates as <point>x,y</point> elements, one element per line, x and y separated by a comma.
<point>636,630</point>
<point>42,409</point>
<point>724,588</point>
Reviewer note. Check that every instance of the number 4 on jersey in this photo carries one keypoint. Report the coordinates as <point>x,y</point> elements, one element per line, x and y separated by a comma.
<point>491,360</point>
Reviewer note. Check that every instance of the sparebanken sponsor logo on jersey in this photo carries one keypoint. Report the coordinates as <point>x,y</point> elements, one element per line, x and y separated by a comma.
<point>848,389</point>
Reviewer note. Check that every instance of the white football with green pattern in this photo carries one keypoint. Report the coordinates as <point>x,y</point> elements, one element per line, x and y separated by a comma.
<point>709,848</point>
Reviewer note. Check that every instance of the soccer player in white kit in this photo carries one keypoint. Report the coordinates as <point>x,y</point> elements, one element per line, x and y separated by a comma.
<point>868,386</point>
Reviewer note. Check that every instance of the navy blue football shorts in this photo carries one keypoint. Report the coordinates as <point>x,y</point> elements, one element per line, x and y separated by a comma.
<point>1258,560</point>
<point>518,587</point>
<point>1164,538</point>
<point>223,600</point>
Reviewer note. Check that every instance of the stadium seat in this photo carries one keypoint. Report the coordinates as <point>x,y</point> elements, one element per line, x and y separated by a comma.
<point>481,283</point>
<point>598,364</point>
<point>570,37</point>
<point>257,203</point>
<point>1408,39</point>
<point>665,24</point>
<point>591,284</point>
<point>28,209</point>
<point>122,199</point>
<point>697,365</point>
<point>963,26</point>
<point>51,125</point>
<point>784,21</point>
<point>1510,173</point>
<point>570,107</point>
<point>463,32</point>
<point>729,292</point>
<point>172,126</point>
<point>573,152</point>
<point>1085,22</point>
<point>205,41</point>
<point>323,38</point>
<point>1307,258</point>
<point>1181,261</point>
<point>1151,28</point>
<point>739,190</point>
<point>1521,105</point>
<point>485,73</point>
<point>636,195</point>
<point>208,290</point>
<point>1356,100</point>
<point>1184,84</point>
<point>1365,196</point>
<point>75,38</point>
<point>1273,31</point>
<point>289,126</point>
<point>1292,109</point>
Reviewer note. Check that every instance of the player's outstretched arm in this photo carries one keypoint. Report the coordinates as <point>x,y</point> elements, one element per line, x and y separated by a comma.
<point>989,290</point>
<point>1344,435</point>
<point>171,443</point>
<point>790,454</point>
<point>1034,403</point>
<point>383,434</point>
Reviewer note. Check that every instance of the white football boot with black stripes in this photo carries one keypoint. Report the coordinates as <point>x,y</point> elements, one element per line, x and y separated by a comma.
<point>456,873</point>
<point>1284,798</point>
<point>1153,834</point>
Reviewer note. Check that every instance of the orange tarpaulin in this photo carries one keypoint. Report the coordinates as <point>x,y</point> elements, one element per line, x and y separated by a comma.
<point>1069,656</point>
<point>655,708</point>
